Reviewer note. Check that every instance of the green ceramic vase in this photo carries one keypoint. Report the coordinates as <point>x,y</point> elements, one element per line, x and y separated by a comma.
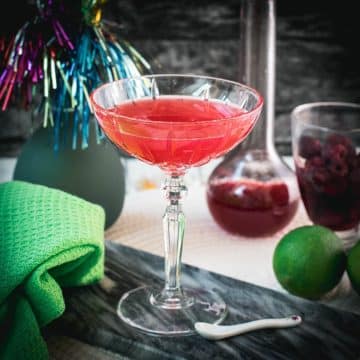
<point>95,174</point>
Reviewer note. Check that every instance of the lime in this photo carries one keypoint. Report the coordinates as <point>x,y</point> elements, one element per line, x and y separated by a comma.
<point>353,267</point>
<point>309,261</point>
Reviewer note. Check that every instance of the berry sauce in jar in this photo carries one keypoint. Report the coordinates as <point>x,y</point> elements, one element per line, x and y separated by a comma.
<point>249,207</point>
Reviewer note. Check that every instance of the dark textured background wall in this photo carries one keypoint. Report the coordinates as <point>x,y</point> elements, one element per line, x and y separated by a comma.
<point>317,51</point>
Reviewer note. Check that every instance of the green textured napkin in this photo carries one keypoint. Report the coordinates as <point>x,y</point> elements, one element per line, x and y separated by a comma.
<point>48,239</point>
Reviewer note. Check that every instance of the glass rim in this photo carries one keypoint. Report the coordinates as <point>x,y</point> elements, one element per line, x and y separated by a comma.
<point>295,113</point>
<point>257,107</point>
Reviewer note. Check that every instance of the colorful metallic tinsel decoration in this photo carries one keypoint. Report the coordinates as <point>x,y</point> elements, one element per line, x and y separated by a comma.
<point>54,61</point>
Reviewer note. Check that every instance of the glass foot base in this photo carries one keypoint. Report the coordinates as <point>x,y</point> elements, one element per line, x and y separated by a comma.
<point>141,309</point>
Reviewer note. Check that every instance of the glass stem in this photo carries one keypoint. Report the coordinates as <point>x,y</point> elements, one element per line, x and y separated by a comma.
<point>172,296</point>
<point>174,226</point>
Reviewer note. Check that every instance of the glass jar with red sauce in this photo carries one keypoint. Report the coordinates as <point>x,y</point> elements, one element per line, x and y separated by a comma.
<point>253,192</point>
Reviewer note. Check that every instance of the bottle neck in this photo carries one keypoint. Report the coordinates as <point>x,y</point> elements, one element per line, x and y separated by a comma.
<point>257,66</point>
<point>262,135</point>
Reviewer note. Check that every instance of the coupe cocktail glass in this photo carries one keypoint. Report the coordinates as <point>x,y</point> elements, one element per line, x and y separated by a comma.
<point>174,122</point>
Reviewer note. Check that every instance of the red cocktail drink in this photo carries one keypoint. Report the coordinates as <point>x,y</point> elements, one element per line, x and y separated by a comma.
<point>176,132</point>
<point>174,122</point>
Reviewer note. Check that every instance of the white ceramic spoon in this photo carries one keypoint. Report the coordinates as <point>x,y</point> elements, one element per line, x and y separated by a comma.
<point>218,332</point>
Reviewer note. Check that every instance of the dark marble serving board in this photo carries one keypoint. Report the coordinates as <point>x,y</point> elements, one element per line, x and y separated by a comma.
<point>90,318</point>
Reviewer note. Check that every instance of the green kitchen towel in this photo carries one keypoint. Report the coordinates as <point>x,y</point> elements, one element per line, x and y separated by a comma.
<point>48,239</point>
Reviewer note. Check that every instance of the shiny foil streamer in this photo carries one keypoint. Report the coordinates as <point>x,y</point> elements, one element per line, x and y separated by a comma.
<point>60,61</point>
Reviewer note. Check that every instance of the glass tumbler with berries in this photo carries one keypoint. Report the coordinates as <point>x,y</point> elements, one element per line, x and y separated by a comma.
<point>326,148</point>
